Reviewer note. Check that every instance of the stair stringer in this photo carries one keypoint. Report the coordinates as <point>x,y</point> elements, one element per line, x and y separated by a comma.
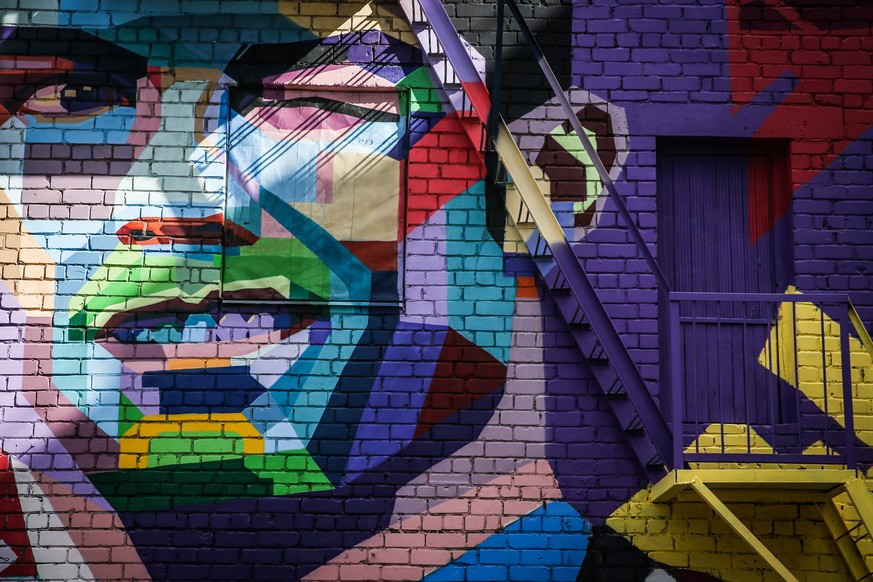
<point>848,515</point>
<point>616,373</point>
<point>628,395</point>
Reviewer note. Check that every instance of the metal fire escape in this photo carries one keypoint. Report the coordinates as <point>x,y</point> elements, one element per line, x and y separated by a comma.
<point>660,445</point>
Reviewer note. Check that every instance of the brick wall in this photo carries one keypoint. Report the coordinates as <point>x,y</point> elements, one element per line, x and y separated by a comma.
<point>259,321</point>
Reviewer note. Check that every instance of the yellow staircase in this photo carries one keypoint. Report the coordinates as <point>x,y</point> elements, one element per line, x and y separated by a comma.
<point>848,515</point>
<point>841,496</point>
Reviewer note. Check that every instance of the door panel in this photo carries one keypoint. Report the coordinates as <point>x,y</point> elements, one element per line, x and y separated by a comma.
<point>716,206</point>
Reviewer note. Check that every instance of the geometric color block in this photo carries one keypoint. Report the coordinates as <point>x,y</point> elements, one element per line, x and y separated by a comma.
<point>16,555</point>
<point>546,545</point>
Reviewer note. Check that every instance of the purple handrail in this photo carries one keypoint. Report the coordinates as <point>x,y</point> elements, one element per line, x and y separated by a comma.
<point>701,318</point>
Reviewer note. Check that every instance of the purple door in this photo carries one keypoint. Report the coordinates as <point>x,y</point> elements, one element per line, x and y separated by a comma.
<point>723,227</point>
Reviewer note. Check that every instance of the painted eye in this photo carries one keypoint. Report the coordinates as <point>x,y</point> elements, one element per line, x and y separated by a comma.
<point>64,99</point>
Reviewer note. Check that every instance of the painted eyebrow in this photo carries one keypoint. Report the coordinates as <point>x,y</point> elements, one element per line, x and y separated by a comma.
<point>255,63</point>
<point>327,104</point>
<point>389,58</point>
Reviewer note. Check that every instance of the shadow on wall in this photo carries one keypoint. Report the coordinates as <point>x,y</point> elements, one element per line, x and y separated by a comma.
<point>612,557</point>
<point>523,86</point>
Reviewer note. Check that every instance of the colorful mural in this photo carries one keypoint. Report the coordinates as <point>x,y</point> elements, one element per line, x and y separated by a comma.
<point>262,315</point>
<point>247,246</point>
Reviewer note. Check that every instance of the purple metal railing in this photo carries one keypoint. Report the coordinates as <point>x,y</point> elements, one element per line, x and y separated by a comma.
<point>761,378</point>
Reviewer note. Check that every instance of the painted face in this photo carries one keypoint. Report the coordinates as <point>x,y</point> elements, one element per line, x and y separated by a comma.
<point>213,227</point>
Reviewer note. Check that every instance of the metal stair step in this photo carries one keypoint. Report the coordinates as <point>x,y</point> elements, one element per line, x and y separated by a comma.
<point>619,378</point>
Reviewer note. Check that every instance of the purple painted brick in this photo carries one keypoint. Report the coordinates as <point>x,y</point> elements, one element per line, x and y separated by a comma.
<point>644,83</point>
<point>628,39</point>
<point>648,25</point>
<point>649,55</point>
<point>599,83</point>
<point>612,25</point>
<point>629,95</point>
<point>809,206</point>
<point>616,54</point>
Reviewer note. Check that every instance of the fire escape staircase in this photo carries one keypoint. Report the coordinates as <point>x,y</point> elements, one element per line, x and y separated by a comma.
<point>628,394</point>
<point>841,495</point>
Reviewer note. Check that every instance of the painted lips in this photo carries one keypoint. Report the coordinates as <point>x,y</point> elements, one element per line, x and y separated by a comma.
<point>146,295</point>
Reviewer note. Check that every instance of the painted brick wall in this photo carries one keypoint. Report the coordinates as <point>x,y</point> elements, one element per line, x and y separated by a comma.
<point>259,321</point>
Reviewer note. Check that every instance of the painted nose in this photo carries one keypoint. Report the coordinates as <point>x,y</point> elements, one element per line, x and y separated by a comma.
<point>175,168</point>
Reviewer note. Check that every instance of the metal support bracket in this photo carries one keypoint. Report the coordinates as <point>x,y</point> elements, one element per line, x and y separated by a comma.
<point>824,483</point>
<point>741,530</point>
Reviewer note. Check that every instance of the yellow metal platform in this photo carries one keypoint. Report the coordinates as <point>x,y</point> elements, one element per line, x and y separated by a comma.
<point>819,486</point>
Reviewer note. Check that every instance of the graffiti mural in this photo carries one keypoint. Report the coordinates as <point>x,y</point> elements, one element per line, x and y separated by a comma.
<point>262,315</point>
<point>247,246</point>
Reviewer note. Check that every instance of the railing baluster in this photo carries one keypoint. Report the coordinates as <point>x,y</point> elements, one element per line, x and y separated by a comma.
<point>718,374</point>
<point>796,357</point>
<point>824,365</point>
<point>690,311</point>
<point>746,399</point>
<point>694,395</point>
<point>677,371</point>
<point>771,394</point>
<point>848,393</point>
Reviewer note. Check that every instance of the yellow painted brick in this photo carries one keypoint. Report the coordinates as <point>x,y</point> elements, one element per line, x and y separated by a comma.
<point>802,563</point>
<point>831,568</point>
<point>741,562</point>
<point>786,545</point>
<point>686,497</point>
<point>652,510</point>
<point>653,543</point>
<point>675,559</point>
<point>710,561</point>
<point>731,544</point>
<point>635,526</point>
<point>810,512</point>
<point>318,8</point>
<point>811,529</point>
<point>618,524</point>
<point>810,374</point>
<point>808,327</point>
<point>303,21</point>
<point>865,545</point>
<point>719,528</point>
<point>779,511</point>
<point>698,526</point>
<point>832,562</point>
<point>744,511</point>
<point>695,543</point>
<point>690,510</point>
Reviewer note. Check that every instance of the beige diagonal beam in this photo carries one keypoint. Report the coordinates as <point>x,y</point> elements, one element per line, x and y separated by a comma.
<point>863,502</point>
<point>845,544</point>
<point>735,524</point>
<point>860,329</point>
